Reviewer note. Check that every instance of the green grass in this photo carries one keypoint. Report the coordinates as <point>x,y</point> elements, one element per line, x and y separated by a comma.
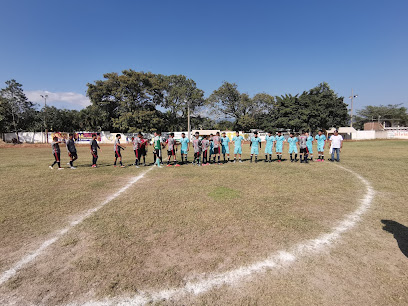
<point>177,222</point>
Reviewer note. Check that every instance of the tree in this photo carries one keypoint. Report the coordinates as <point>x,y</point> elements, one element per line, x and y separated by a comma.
<point>17,113</point>
<point>180,93</point>
<point>230,102</point>
<point>127,101</point>
<point>391,113</point>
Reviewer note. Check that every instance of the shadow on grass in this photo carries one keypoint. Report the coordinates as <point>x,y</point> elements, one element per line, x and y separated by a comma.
<point>400,233</point>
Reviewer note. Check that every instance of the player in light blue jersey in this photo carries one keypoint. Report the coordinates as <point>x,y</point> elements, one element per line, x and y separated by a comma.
<point>279,140</point>
<point>309,144</point>
<point>255,145</point>
<point>237,139</point>
<point>225,146</point>
<point>321,143</point>
<point>293,141</point>
<point>269,146</point>
<point>185,146</point>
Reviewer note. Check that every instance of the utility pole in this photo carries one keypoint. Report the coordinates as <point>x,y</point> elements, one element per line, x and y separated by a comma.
<point>45,118</point>
<point>188,121</point>
<point>351,109</point>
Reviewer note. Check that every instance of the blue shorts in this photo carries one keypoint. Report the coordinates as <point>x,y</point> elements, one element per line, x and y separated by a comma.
<point>254,150</point>
<point>238,150</point>
<point>320,148</point>
<point>225,150</point>
<point>293,150</point>
<point>310,149</point>
<point>278,149</point>
<point>183,151</point>
<point>268,150</point>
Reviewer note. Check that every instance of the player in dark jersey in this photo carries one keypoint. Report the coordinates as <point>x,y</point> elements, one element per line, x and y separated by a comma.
<point>56,152</point>
<point>142,148</point>
<point>94,150</point>
<point>117,147</point>
<point>72,152</point>
<point>136,144</point>
<point>217,147</point>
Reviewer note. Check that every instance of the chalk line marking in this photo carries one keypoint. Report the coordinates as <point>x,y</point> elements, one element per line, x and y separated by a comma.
<point>277,260</point>
<point>30,257</point>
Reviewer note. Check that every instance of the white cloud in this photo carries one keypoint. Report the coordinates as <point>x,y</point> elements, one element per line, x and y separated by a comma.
<point>70,100</point>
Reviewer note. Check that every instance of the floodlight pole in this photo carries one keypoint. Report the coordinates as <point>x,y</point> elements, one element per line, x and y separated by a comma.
<point>45,119</point>
<point>351,109</point>
<point>188,121</point>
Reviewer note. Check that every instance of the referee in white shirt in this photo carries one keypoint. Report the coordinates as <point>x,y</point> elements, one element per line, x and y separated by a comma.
<point>336,142</point>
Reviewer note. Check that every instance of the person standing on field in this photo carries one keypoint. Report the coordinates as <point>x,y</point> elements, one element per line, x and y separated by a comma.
<point>237,139</point>
<point>336,143</point>
<point>72,152</point>
<point>255,144</point>
<point>142,148</point>
<point>303,148</point>
<point>56,152</point>
<point>171,150</point>
<point>293,142</point>
<point>94,150</point>
<point>225,146</point>
<point>205,144</point>
<point>279,140</point>
<point>117,147</point>
<point>136,147</point>
<point>185,147</point>
<point>197,148</point>
<point>270,139</point>
<point>321,143</point>
<point>157,152</point>
<point>309,144</point>
<point>217,143</point>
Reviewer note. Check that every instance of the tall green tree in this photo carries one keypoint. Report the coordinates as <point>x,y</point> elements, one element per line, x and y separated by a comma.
<point>127,100</point>
<point>17,113</point>
<point>180,93</point>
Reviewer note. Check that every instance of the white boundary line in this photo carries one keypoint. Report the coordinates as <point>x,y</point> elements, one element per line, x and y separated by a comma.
<point>6,275</point>
<point>280,259</point>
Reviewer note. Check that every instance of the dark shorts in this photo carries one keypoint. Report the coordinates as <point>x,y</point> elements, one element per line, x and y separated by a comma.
<point>303,150</point>
<point>157,152</point>
<point>73,154</point>
<point>217,150</point>
<point>94,153</point>
<point>171,152</point>
<point>142,152</point>
<point>196,154</point>
<point>205,152</point>
<point>118,154</point>
<point>57,156</point>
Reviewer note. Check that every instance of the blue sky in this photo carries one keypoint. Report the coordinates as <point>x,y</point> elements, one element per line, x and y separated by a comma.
<point>276,47</point>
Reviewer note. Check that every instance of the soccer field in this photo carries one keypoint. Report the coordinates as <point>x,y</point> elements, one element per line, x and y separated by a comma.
<point>239,234</point>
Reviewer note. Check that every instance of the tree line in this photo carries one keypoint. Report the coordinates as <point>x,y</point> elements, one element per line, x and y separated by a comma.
<point>142,101</point>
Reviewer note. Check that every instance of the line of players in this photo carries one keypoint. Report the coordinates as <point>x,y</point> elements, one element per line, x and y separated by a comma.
<point>213,146</point>
<point>204,149</point>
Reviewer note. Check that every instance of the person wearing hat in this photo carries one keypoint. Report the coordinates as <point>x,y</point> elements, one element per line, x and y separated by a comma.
<point>255,144</point>
<point>336,143</point>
